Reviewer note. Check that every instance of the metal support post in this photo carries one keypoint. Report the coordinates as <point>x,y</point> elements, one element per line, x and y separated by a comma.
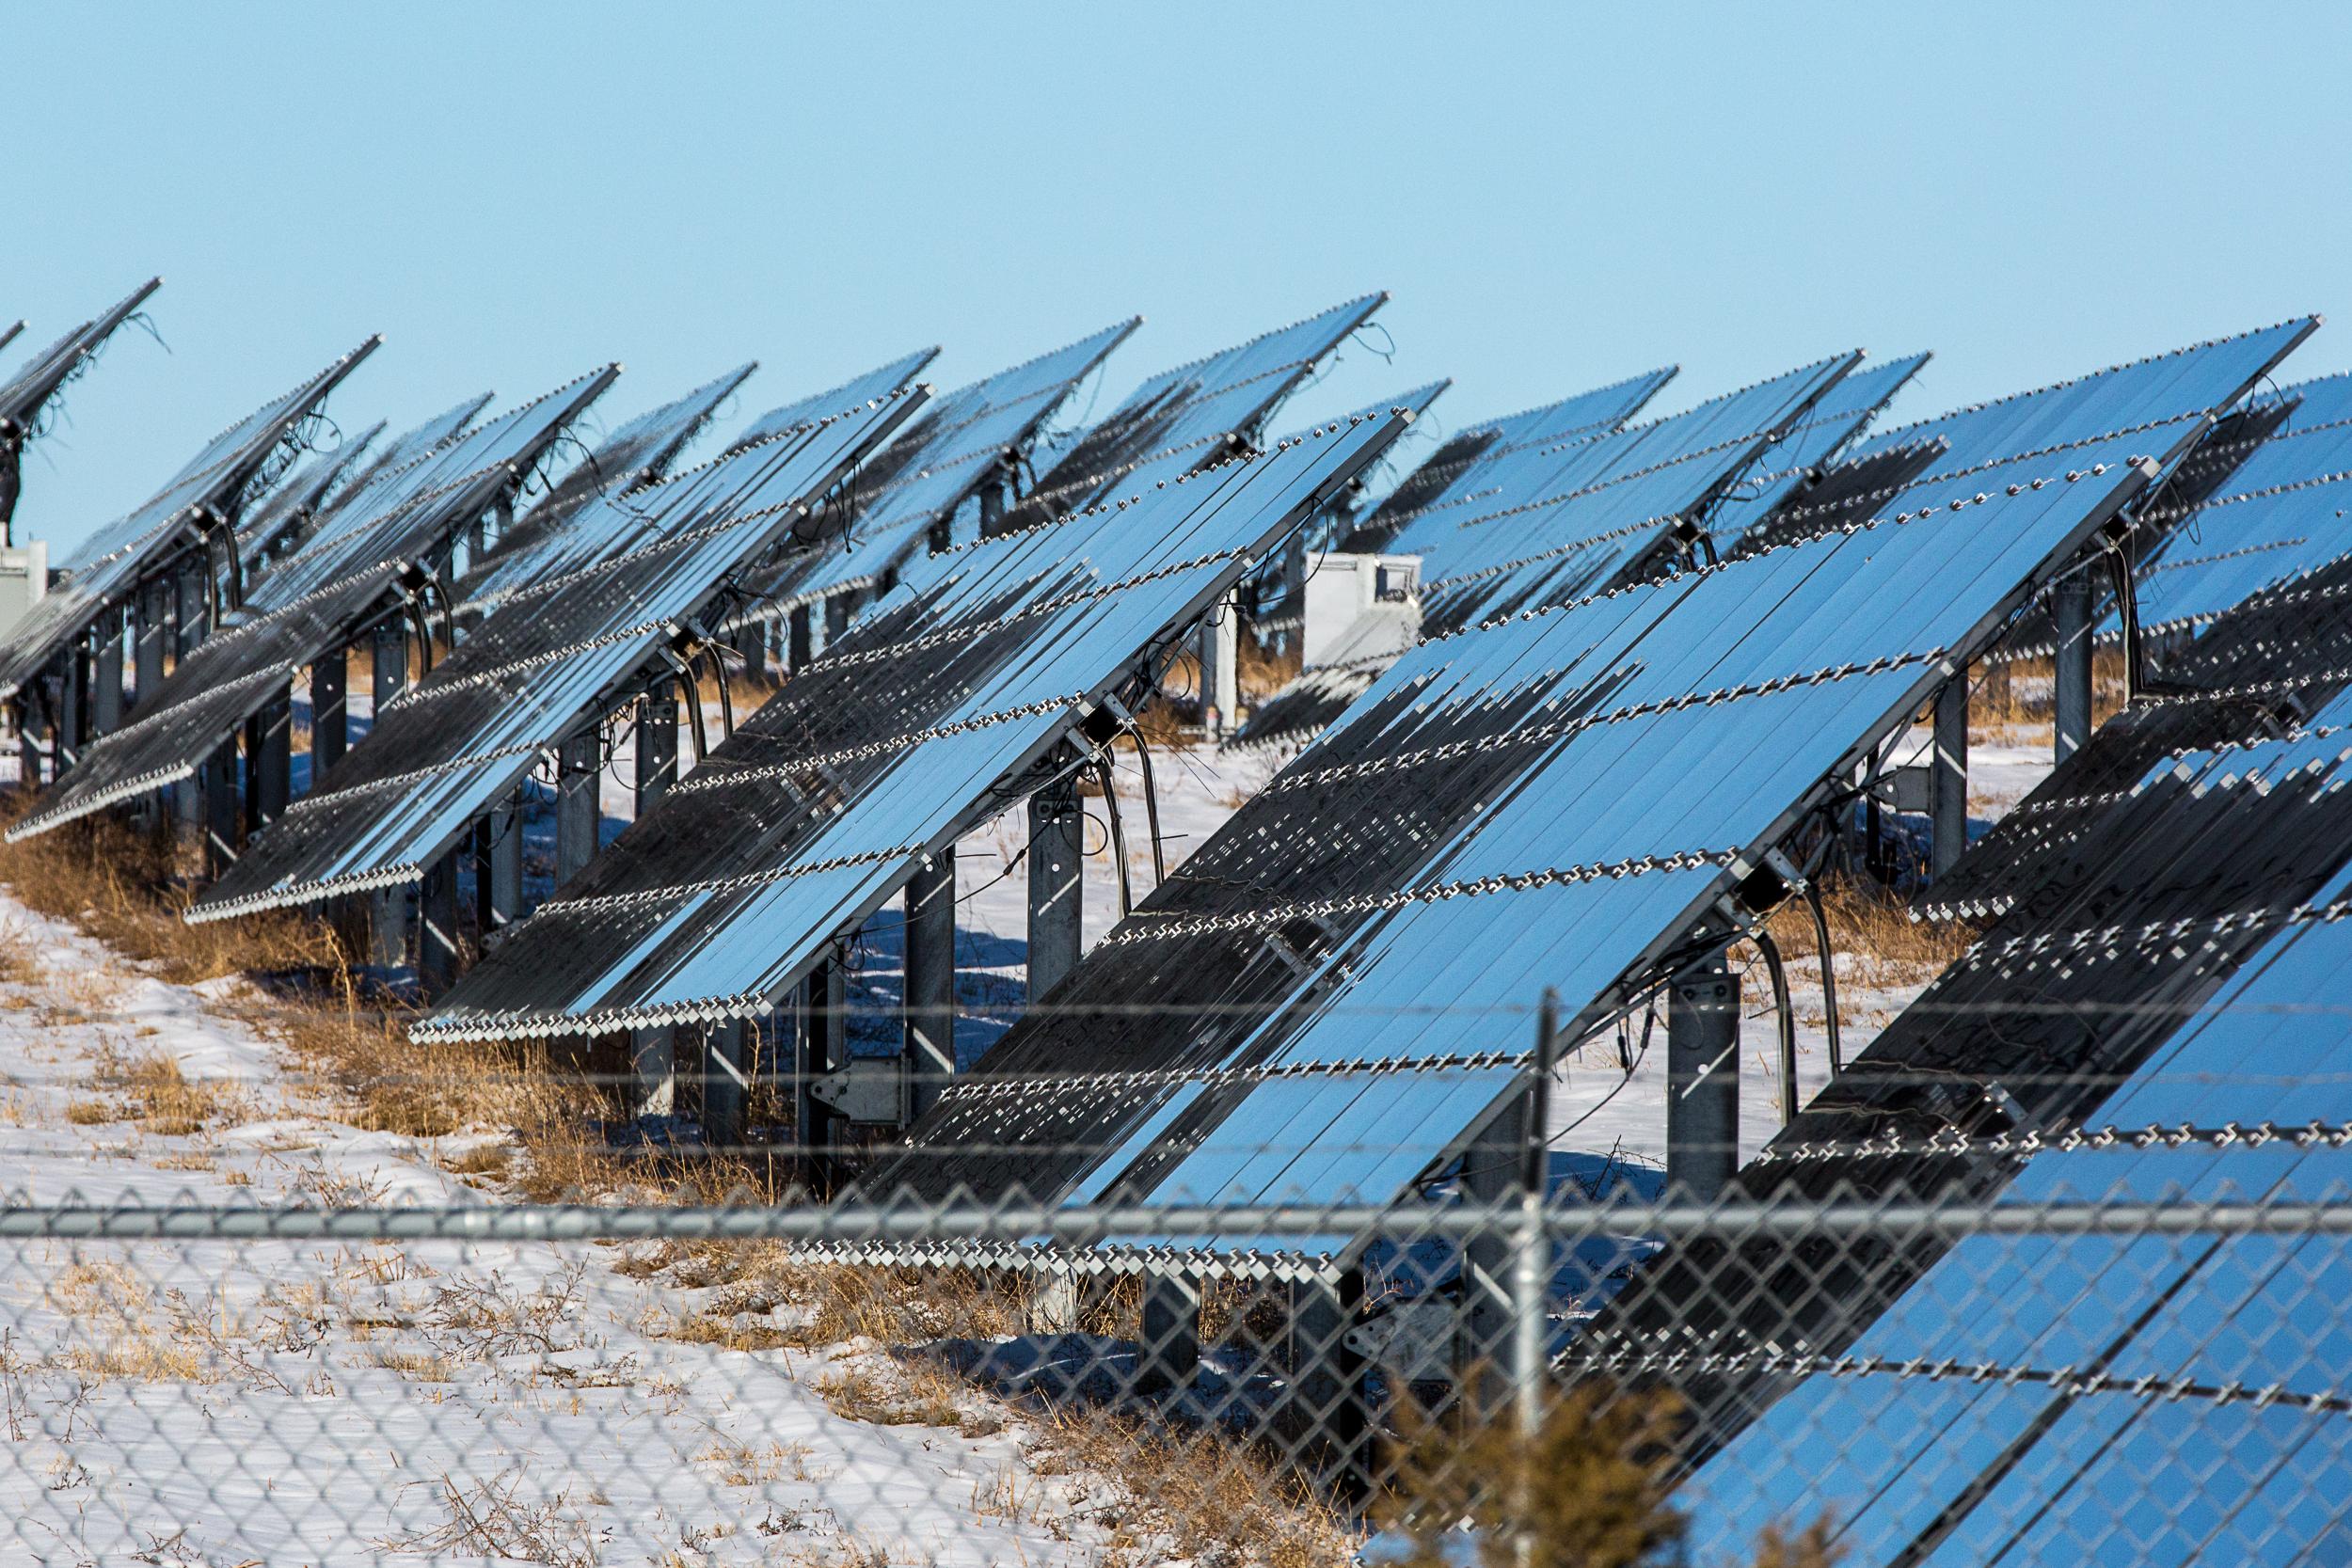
<point>330,713</point>
<point>1325,1397</point>
<point>193,613</point>
<point>653,1072</point>
<point>801,637</point>
<point>106,712</point>
<point>498,870</point>
<point>1220,666</point>
<point>390,657</point>
<point>31,729</point>
<point>73,708</point>
<point>219,797</point>
<point>1703,1080</point>
<point>838,611</point>
<point>727,1084</point>
<point>151,640</point>
<point>1056,885</point>
<point>821,1045</point>
<point>578,812</point>
<point>751,640</point>
<point>1167,1350</point>
<point>1490,1175</point>
<point>929,1051</point>
<point>269,762</point>
<point>657,743</point>
<point>2073,610</point>
<point>439,954</point>
<point>1949,782</point>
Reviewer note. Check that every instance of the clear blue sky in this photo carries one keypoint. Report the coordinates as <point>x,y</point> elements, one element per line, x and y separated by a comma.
<point>1555,197</point>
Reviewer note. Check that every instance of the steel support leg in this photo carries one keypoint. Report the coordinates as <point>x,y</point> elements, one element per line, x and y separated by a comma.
<point>801,635</point>
<point>657,744</point>
<point>220,796</point>
<point>838,611</point>
<point>1490,1173</point>
<point>438,953</point>
<point>821,1045</point>
<point>106,701</point>
<point>1056,885</point>
<point>1948,775</point>
<point>151,640</point>
<point>1326,1392</point>
<point>269,762</point>
<point>498,870</point>
<point>578,771</point>
<point>2072,697</point>
<point>72,708</point>
<point>1703,1080</point>
<point>727,1084</point>
<point>331,714</point>
<point>1167,1350</point>
<point>1220,667</point>
<point>929,1051</point>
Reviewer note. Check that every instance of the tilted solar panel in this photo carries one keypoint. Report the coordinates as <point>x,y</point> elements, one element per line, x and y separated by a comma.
<point>294,502</point>
<point>1467,466</point>
<point>278,528</point>
<point>1190,416</point>
<point>1551,800</point>
<point>545,542</point>
<point>367,560</point>
<point>2202,1007</point>
<point>208,493</point>
<point>1568,522</point>
<point>557,656</point>
<point>921,478</point>
<point>27,389</point>
<point>867,387</point>
<point>886,747</point>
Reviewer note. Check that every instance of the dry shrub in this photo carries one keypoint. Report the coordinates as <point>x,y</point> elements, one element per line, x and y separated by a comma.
<point>829,1302</point>
<point>1588,1489</point>
<point>126,888</point>
<point>1260,670</point>
<point>91,1113</point>
<point>1874,930</point>
<point>1199,1495</point>
<point>17,967</point>
<point>162,1099</point>
<point>917,1395</point>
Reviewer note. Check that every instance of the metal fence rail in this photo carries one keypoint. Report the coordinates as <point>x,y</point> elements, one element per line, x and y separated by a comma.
<point>2123,1380</point>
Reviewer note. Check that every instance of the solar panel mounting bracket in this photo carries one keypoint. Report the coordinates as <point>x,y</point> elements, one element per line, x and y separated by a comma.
<point>871,1091</point>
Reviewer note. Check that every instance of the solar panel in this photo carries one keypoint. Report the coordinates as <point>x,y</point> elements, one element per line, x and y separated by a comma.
<point>28,392</point>
<point>280,516</point>
<point>1469,466</point>
<point>867,387</point>
<point>2190,970</point>
<point>556,657</point>
<point>1569,520</point>
<point>210,493</point>
<point>368,559</point>
<point>278,530</point>
<point>920,479</point>
<point>1192,415</point>
<point>1575,513</point>
<point>543,543</point>
<point>886,747</point>
<point>1552,799</point>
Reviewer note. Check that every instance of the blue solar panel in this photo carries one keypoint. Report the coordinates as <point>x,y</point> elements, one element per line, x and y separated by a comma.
<point>1568,521</point>
<point>359,565</point>
<point>930,472</point>
<point>27,391</point>
<point>557,657</point>
<point>866,386</point>
<point>1972,1469</point>
<point>1027,632</point>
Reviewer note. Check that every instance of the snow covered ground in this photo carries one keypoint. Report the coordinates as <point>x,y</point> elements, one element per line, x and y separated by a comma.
<point>260,1402</point>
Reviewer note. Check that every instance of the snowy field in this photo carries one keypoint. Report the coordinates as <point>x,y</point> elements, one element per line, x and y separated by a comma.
<point>243,1403</point>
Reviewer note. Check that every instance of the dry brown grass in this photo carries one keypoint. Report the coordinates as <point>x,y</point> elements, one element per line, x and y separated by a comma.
<point>128,889</point>
<point>1874,931</point>
<point>1260,670</point>
<point>917,1395</point>
<point>829,1304</point>
<point>163,1100</point>
<point>2011,704</point>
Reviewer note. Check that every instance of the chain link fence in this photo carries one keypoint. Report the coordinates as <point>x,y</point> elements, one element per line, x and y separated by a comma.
<point>2117,1379</point>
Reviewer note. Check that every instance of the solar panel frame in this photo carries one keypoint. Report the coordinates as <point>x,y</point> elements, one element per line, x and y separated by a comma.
<point>26,391</point>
